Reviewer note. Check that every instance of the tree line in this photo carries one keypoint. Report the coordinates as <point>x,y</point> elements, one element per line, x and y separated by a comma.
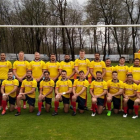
<point>70,40</point>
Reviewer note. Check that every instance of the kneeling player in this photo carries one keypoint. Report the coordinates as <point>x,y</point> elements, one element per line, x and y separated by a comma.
<point>27,93</point>
<point>115,89</point>
<point>46,90</point>
<point>80,91</point>
<point>8,91</point>
<point>137,102</point>
<point>130,90</point>
<point>98,89</point>
<point>62,90</point>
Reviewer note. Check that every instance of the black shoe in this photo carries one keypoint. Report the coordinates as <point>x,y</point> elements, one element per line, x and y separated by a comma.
<point>54,113</point>
<point>74,113</point>
<point>17,114</point>
<point>85,108</point>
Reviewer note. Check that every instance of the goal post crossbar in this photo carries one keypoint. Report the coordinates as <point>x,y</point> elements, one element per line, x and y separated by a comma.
<point>67,26</point>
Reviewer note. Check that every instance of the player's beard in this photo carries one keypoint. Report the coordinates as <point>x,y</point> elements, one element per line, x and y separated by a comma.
<point>96,58</point>
<point>28,77</point>
<point>98,79</point>
<point>2,58</point>
<point>10,78</point>
<point>53,60</point>
<point>47,79</point>
<point>67,60</point>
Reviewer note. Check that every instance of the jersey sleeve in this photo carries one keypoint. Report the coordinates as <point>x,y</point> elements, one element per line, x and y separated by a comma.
<point>3,83</point>
<point>105,85</point>
<point>43,65</point>
<point>91,65</point>
<point>34,84</point>
<point>27,65</point>
<point>61,65</point>
<point>92,85</point>
<point>14,66</point>
<point>108,84</point>
<point>30,65</point>
<point>41,85</point>
<point>57,84</point>
<point>130,70</point>
<point>76,63</point>
<point>58,65</point>
<point>75,83</point>
<point>23,85</point>
<point>16,82</point>
<point>88,63</point>
<point>70,84</point>
<point>121,85</point>
<point>86,84</point>
<point>103,65</point>
<point>138,89</point>
<point>10,65</point>
<point>135,87</point>
<point>52,83</point>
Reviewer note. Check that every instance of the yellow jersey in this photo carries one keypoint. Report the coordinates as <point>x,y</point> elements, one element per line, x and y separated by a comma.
<point>138,88</point>
<point>98,87</point>
<point>28,85</point>
<point>113,88</point>
<point>97,66</point>
<point>21,67</point>
<point>135,72</point>
<point>108,74</point>
<point>53,68</point>
<point>122,72</point>
<point>37,68</point>
<point>46,86</point>
<point>4,68</point>
<point>63,86</point>
<point>9,86</point>
<point>79,85</point>
<point>129,90</point>
<point>68,67</point>
<point>82,64</point>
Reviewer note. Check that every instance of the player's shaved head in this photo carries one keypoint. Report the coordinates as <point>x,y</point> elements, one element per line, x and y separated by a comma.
<point>2,56</point>
<point>37,56</point>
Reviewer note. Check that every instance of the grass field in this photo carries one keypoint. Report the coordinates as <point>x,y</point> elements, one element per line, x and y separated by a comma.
<point>66,127</point>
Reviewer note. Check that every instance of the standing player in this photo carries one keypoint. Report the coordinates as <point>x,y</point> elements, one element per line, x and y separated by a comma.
<point>46,92</point>
<point>98,90</point>
<point>109,70</point>
<point>20,68</point>
<point>53,67</point>
<point>8,91</point>
<point>27,93</point>
<point>83,64</point>
<point>63,89</point>
<point>37,67</point>
<point>97,65</point>
<point>130,90</point>
<point>5,66</point>
<point>115,90</point>
<point>122,69</point>
<point>68,66</point>
<point>80,92</point>
<point>135,71</point>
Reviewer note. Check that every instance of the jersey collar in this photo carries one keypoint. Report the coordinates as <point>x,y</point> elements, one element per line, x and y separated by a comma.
<point>121,65</point>
<point>136,66</point>
<point>64,80</point>
<point>30,80</point>
<point>37,60</point>
<point>47,80</point>
<point>117,81</point>
<point>82,59</point>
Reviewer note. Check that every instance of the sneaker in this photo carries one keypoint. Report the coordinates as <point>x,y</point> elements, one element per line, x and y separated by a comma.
<point>71,107</point>
<point>73,113</point>
<point>6,107</point>
<point>0,107</point>
<point>134,117</point>
<point>39,113</point>
<point>54,113</point>
<point>124,115</point>
<point>24,107</point>
<point>109,113</point>
<point>85,108</point>
<point>3,112</point>
<point>104,108</point>
<point>93,114</point>
<point>17,114</point>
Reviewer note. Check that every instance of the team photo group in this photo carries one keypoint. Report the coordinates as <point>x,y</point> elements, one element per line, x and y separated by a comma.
<point>112,87</point>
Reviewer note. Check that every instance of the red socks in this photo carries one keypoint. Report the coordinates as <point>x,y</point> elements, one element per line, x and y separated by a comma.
<point>39,106</point>
<point>56,104</point>
<point>4,105</point>
<point>109,106</point>
<point>94,108</point>
<point>19,109</point>
<point>0,100</point>
<point>125,109</point>
<point>74,106</point>
<point>24,102</point>
<point>136,108</point>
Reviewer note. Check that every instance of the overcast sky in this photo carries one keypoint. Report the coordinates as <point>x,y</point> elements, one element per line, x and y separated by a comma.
<point>80,1</point>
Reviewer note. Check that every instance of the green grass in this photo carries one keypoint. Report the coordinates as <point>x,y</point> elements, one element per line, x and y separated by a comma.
<point>66,127</point>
